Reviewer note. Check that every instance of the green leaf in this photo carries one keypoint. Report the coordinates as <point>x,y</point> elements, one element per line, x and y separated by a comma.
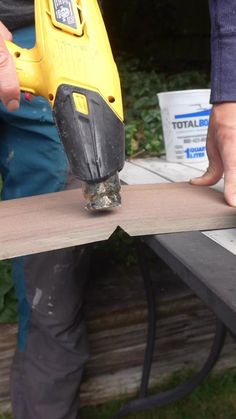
<point>142,114</point>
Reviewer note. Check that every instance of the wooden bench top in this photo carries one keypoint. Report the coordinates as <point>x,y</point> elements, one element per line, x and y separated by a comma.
<point>205,261</point>
<point>155,170</point>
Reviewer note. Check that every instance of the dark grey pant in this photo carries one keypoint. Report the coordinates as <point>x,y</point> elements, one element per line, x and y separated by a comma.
<point>46,375</point>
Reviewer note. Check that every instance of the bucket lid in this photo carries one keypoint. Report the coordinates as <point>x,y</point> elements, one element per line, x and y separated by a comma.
<point>182,97</point>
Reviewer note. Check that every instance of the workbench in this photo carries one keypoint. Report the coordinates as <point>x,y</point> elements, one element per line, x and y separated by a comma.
<point>205,261</point>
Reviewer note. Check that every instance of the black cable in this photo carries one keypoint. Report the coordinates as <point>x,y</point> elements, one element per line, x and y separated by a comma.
<point>151,305</point>
<point>183,390</point>
<point>146,402</point>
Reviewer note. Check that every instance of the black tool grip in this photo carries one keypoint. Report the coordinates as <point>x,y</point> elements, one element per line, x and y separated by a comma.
<point>94,142</point>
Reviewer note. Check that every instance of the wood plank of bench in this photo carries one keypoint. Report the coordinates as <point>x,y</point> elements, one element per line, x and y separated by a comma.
<point>226,238</point>
<point>174,172</point>
<point>202,167</point>
<point>135,175</point>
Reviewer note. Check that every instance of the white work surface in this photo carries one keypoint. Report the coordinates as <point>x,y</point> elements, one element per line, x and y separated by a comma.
<point>156,170</point>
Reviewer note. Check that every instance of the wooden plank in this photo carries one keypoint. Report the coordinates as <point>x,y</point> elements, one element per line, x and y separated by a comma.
<point>171,171</point>
<point>135,175</point>
<point>226,238</point>
<point>201,166</point>
<point>181,171</point>
<point>174,172</point>
<point>59,220</point>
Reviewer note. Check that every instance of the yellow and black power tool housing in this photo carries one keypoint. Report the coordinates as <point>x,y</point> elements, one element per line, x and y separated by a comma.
<point>72,66</point>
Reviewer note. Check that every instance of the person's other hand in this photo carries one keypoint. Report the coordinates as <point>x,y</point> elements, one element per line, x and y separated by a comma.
<point>221,150</point>
<point>9,83</point>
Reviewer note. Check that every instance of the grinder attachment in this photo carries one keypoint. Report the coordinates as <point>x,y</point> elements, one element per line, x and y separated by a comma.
<point>102,195</point>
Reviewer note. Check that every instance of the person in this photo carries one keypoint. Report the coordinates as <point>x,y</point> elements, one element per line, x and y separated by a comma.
<point>221,139</point>
<point>52,344</point>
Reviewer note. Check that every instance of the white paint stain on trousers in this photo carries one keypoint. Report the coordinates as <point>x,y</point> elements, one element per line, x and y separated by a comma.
<point>37,298</point>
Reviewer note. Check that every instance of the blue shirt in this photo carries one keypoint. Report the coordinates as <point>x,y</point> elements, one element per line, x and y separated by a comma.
<point>223,50</point>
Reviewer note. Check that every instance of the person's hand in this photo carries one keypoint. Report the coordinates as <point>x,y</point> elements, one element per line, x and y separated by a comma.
<point>221,150</point>
<point>9,83</point>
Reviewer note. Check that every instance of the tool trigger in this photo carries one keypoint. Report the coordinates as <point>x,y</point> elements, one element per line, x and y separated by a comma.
<point>28,96</point>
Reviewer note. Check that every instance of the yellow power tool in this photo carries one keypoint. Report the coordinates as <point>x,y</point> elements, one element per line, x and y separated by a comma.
<point>72,66</point>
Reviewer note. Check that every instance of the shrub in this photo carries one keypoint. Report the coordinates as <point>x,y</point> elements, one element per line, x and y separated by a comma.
<point>142,113</point>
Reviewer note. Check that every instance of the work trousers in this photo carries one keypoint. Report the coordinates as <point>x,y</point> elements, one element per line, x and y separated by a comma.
<point>52,343</point>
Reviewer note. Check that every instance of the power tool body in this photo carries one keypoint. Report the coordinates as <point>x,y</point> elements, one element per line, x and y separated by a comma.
<point>72,66</point>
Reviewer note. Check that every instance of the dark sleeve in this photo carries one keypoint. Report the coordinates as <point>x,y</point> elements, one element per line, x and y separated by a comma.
<point>223,50</point>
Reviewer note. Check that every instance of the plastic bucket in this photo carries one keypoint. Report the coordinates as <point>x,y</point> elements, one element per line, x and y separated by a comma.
<point>185,119</point>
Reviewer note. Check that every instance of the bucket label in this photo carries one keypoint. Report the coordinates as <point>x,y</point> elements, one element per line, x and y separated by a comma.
<point>195,152</point>
<point>186,132</point>
<point>192,120</point>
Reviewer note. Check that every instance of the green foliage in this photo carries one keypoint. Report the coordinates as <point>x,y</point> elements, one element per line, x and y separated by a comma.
<point>117,252</point>
<point>142,114</point>
<point>169,32</point>
<point>8,302</point>
<point>214,399</point>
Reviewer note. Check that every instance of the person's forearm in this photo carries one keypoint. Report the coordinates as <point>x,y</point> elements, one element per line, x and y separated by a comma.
<point>221,137</point>
<point>223,50</point>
